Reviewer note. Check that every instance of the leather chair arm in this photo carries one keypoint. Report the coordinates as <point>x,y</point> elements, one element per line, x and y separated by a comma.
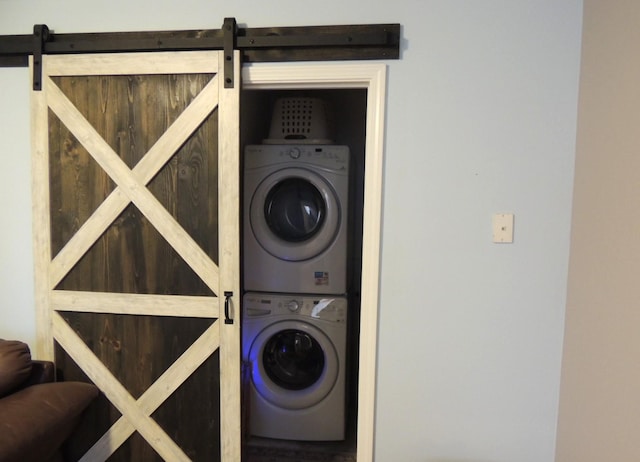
<point>41,372</point>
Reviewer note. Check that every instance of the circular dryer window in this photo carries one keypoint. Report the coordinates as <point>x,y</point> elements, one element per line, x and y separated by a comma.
<point>294,210</point>
<point>294,365</point>
<point>294,214</point>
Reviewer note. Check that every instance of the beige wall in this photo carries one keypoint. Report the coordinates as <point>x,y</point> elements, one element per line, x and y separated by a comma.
<point>599,417</point>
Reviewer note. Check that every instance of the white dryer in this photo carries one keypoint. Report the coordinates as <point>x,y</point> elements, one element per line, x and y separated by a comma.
<point>295,218</point>
<point>295,348</point>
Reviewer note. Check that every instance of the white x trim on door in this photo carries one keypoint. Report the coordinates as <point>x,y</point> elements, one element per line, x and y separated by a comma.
<point>131,187</point>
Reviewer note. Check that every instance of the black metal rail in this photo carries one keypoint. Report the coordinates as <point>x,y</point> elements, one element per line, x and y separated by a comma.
<point>311,43</point>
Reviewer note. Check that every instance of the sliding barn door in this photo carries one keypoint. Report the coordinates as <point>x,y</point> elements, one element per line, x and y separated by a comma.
<point>135,170</point>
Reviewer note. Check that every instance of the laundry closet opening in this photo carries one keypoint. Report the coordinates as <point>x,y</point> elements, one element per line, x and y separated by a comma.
<point>344,122</point>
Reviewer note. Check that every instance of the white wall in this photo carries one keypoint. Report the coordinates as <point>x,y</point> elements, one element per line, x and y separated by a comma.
<point>17,316</point>
<point>481,119</point>
<point>482,114</point>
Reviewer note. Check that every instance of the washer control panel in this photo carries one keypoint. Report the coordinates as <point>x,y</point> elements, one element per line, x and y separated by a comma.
<point>327,308</point>
<point>293,305</point>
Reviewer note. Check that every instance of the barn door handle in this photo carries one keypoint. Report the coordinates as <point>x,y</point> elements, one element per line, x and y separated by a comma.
<point>227,297</point>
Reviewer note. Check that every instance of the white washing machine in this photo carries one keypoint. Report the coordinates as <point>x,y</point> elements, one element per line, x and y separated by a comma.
<point>295,218</point>
<point>295,348</point>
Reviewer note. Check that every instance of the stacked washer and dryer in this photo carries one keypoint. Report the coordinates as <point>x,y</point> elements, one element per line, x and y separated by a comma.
<point>294,331</point>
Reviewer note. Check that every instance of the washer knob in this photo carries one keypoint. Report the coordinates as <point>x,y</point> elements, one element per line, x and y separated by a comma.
<point>293,305</point>
<point>294,153</point>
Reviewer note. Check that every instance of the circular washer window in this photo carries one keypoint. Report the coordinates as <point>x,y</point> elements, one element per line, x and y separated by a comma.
<point>294,214</point>
<point>300,377</point>
<point>293,359</point>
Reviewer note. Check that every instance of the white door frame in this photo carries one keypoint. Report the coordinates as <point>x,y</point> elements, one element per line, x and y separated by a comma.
<point>372,77</point>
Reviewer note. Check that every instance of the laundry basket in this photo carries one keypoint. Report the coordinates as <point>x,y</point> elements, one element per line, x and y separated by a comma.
<point>301,120</point>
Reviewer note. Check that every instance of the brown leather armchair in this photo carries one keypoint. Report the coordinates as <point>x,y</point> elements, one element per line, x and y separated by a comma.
<point>37,414</point>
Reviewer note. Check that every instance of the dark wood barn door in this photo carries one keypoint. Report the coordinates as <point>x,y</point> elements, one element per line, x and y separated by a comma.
<point>135,174</point>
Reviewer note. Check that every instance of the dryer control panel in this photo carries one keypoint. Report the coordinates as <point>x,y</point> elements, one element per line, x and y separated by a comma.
<point>326,307</point>
<point>328,156</point>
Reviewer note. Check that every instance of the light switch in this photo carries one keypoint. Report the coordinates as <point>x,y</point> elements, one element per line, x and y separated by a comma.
<point>503,228</point>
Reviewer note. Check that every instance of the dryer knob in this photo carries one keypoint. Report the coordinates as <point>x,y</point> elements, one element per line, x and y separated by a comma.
<point>293,305</point>
<point>294,153</point>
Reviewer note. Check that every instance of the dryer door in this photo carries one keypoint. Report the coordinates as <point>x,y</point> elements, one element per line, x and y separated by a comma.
<point>294,365</point>
<point>295,214</point>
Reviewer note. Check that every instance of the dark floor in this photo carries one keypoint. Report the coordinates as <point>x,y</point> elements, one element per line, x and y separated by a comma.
<point>267,450</point>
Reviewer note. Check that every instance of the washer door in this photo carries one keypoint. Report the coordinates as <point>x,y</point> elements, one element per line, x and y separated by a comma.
<point>294,365</point>
<point>295,214</point>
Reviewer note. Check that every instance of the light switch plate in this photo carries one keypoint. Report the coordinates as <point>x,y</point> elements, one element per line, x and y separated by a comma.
<point>503,228</point>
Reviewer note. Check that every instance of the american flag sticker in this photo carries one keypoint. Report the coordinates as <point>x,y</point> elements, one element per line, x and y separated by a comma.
<point>321,277</point>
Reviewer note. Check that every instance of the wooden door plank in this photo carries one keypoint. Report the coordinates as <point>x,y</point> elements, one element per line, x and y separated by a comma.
<point>137,192</point>
<point>141,185</point>
<point>155,395</point>
<point>115,392</point>
<point>229,181</point>
<point>160,153</point>
<point>41,223</point>
<point>135,304</point>
<point>197,62</point>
